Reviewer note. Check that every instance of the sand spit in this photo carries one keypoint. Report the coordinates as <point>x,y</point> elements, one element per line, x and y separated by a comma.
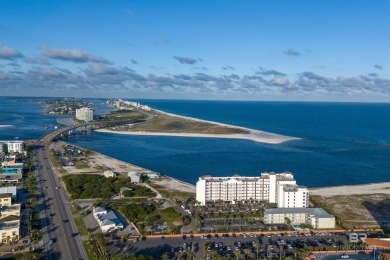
<point>346,190</point>
<point>254,135</point>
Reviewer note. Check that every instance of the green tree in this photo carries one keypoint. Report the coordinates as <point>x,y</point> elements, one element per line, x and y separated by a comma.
<point>288,222</point>
<point>165,256</point>
<point>257,247</point>
<point>31,255</point>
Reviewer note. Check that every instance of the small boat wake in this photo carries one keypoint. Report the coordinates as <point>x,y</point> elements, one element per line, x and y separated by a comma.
<point>5,126</point>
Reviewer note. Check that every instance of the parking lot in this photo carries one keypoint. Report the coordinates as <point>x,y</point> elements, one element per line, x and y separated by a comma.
<point>269,244</point>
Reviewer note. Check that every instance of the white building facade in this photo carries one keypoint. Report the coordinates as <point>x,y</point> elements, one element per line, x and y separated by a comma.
<point>84,114</point>
<point>270,187</point>
<point>106,219</point>
<point>12,146</point>
<point>316,217</point>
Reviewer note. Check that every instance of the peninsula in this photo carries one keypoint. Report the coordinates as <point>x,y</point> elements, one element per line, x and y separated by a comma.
<point>158,123</point>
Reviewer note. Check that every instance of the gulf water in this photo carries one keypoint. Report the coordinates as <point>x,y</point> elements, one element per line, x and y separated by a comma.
<point>342,143</point>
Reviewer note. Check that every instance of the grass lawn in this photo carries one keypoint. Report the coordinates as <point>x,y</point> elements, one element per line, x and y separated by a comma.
<point>81,226</point>
<point>88,249</point>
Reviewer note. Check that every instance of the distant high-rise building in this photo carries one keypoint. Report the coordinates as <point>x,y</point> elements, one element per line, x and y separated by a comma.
<point>270,187</point>
<point>84,114</point>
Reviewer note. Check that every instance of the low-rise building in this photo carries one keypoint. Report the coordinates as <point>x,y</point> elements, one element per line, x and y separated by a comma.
<point>316,217</point>
<point>9,228</point>
<point>135,177</point>
<point>107,219</point>
<point>5,199</point>
<point>10,189</point>
<point>153,175</point>
<point>9,160</point>
<point>10,178</point>
<point>109,173</point>
<point>7,208</point>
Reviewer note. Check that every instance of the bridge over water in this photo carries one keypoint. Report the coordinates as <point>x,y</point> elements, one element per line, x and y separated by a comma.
<point>91,125</point>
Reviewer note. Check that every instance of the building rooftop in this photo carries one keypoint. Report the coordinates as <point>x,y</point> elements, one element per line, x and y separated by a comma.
<point>265,175</point>
<point>289,187</point>
<point>9,219</point>
<point>316,212</point>
<point>108,218</point>
<point>99,210</point>
<point>5,195</point>
<point>378,242</point>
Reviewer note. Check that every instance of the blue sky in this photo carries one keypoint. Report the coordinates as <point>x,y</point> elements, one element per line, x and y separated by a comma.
<point>215,49</point>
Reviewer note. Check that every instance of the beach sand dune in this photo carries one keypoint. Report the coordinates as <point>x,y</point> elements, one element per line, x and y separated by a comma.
<point>346,190</point>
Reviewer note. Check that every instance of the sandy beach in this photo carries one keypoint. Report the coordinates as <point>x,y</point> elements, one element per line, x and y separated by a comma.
<point>346,190</point>
<point>253,135</point>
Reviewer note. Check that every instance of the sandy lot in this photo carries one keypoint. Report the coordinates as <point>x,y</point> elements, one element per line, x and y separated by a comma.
<point>374,188</point>
<point>175,184</point>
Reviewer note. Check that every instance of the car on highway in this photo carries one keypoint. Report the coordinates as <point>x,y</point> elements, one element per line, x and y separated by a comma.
<point>64,221</point>
<point>51,241</point>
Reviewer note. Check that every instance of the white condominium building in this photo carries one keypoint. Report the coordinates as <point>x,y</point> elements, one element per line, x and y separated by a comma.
<point>84,114</point>
<point>12,146</point>
<point>271,187</point>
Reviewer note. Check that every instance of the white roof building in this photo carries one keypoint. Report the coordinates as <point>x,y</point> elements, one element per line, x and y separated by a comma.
<point>9,189</point>
<point>107,219</point>
<point>317,217</point>
<point>135,176</point>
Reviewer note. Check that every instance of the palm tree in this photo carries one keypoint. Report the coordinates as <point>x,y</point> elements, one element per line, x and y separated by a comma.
<point>178,254</point>
<point>189,254</point>
<point>269,249</point>
<point>257,247</point>
<point>204,248</point>
<point>288,222</point>
<point>296,252</point>
<point>281,248</point>
<point>237,253</point>
<point>165,256</point>
<point>347,245</point>
<point>247,251</point>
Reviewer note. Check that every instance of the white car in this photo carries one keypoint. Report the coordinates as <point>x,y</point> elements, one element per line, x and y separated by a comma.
<point>51,241</point>
<point>344,256</point>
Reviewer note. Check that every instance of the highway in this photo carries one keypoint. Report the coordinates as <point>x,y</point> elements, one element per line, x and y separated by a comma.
<point>57,223</point>
<point>56,219</point>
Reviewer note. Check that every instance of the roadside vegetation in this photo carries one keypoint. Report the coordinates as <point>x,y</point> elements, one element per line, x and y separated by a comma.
<point>81,226</point>
<point>88,186</point>
<point>144,214</point>
<point>33,225</point>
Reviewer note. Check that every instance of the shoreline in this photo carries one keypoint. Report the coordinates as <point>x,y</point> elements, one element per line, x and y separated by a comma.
<point>253,135</point>
<point>326,191</point>
<point>353,189</point>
